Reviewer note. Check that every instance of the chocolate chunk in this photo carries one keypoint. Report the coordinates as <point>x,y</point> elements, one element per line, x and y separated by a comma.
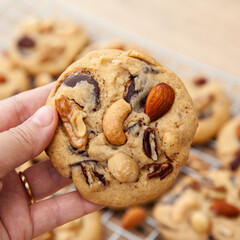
<point>26,42</point>
<point>131,90</point>
<point>200,81</point>
<point>73,79</point>
<point>89,168</point>
<point>100,177</point>
<point>234,165</point>
<point>210,237</point>
<point>150,70</point>
<point>160,170</point>
<point>150,144</point>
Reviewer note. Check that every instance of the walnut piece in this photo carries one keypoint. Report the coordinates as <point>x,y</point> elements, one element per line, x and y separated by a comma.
<point>72,116</point>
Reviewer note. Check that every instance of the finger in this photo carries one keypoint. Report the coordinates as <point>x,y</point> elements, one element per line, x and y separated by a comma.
<point>15,110</point>
<point>53,212</point>
<point>27,140</point>
<point>44,179</point>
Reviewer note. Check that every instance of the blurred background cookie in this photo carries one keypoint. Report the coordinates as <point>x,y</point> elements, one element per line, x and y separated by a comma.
<point>42,79</point>
<point>47,45</point>
<point>202,209</point>
<point>228,144</point>
<point>13,79</point>
<point>212,106</point>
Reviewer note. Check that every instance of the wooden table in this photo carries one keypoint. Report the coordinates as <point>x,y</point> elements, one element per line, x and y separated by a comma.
<point>208,31</point>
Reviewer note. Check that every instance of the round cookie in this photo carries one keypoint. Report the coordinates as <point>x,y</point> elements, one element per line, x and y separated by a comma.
<point>126,126</point>
<point>212,106</point>
<point>228,144</point>
<point>203,209</point>
<point>88,227</point>
<point>47,45</point>
<point>42,79</point>
<point>108,44</point>
<point>13,79</point>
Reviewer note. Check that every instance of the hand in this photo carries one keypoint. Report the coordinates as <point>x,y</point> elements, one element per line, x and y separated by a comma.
<point>25,131</point>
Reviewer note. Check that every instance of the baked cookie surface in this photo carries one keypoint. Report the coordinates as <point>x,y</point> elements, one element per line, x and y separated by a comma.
<point>47,45</point>
<point>212,106</point>
<point>228,144</point>
<point>13,79</point>
<point>126,126</point>
<point>202,209</point>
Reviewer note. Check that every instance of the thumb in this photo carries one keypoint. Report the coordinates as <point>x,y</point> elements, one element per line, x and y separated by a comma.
<point>27,140</point>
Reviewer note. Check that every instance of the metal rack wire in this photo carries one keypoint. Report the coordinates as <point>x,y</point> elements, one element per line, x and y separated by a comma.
<point>14,11</point>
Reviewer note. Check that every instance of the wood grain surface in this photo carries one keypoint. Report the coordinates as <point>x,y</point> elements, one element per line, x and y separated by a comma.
<point>206,30</point>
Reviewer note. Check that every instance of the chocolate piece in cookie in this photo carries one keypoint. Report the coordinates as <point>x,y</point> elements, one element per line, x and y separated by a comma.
<point>132,153</point>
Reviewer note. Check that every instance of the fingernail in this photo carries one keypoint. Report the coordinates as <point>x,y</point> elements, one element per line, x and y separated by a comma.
<point>44,116</point>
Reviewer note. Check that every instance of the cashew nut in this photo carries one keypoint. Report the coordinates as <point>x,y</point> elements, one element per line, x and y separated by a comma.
<point>113,121</point>
<point>188,201</point>
<point>123,168</point>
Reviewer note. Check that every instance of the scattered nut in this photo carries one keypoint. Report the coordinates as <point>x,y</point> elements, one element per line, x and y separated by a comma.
<point>200,222</point>
<point>133,217</point>
<point>113,121</point>
<point>159,101</point>
<point>42,79</point>
<point>150,144</point>
<point>72,116</point>
<point>2,79</point>
<point>225,209</point>
<point>123,168</point>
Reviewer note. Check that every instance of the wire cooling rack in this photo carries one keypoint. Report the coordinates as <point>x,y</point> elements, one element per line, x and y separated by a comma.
<point>14,11</point>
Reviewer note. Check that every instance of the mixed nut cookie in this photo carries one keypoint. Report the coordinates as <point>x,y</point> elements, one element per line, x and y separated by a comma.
<point>202,209</point>
<point>13,79</point>
<point>212,106</point>
<point>88,227</point>
<point>228,144</point>
<point>47,45</point>
<point>108,44</point>
<point>126,125</point>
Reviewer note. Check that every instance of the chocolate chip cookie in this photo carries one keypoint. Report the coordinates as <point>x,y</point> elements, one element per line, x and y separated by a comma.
<point>126,125</point>
<point>47,45</point>
<point>203,208</point>
<point>228,144</point>
<point>13,79</point>
<point>88,227</point>
<point>212,106</point>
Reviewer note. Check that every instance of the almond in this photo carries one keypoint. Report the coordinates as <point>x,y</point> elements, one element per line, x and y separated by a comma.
<point>159,101</point>
<point>2,79</point>
<point>238,132</point>
<point>224,209</point>
<point>133,217</point>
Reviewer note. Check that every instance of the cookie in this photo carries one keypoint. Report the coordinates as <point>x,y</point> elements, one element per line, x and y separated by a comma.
<point>109,44</point>
<point>126,125</point>
<point>42,79</point>
<point>228,144</point>
<point>202,209</point>
<point>197,163</point>
<point>13,79</point>
<point>88,227</point>
<point>212,106</point>
<point>47,45</point>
